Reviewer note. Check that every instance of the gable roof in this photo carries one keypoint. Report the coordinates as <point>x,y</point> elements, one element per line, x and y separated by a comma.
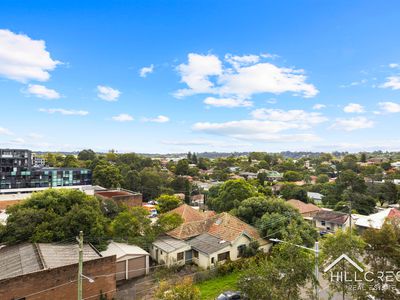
<point>29,258</point>
<point>303,207</point>
<point>122,249</point>
<point>223,226</point>
<point>376,220</point>
<point>188,213</point>
<point>331,216</point>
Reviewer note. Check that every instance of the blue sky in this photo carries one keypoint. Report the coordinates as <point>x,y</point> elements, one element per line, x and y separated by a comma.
<point>173,76</point>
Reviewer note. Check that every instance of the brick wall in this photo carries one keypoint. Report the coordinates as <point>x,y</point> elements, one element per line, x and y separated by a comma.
<point>65,277</point>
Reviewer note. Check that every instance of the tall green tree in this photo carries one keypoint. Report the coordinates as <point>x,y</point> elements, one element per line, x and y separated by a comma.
<point>107,175</point>
<point>167,203</point>
<point>333,246</point>
<point>285,272</point>
<point>230,194</point>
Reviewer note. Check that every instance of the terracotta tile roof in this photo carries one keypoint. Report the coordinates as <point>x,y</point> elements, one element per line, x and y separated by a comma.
<point>223,226</point>
<point>394,213</point>
<point>303,207</point>
<point>188,213</point>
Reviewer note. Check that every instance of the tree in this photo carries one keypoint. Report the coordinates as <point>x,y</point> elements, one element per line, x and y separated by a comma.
<point>382,255</point>
<point>322,178</point>
<point>252,209</point>
<point>231,194</point>
<point>133,226</point>
<point>107,175</point>
<point>292,176</point>
<point>184,290</point>
<point>167,203</point>
<point>333,246</point>
<point>363,157</point>
<point>56,215</point>
<point>282,276</point>
<point>182,167</point>
<point>151,183</point>
<point>350,179</point>
<point>70,161</point>
<point>87,154</point>
<point>167,222</point>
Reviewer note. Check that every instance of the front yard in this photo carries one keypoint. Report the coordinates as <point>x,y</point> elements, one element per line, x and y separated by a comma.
<point>211,288</point>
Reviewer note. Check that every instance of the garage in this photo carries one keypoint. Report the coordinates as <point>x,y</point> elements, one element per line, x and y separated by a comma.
<point>132,261</point>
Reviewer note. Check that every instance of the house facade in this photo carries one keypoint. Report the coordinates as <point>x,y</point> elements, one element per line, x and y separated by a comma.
<point>330,221</point>
<point>205,239</point>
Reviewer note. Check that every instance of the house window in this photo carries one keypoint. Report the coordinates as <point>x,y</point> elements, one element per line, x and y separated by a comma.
<point>223,256</point>
<point>323,223</point>
<point>179,256</point>
<point>195,254</point>
<point>212,260</point>
<point>240,250</point>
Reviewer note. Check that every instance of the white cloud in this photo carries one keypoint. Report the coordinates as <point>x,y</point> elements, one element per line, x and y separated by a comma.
<point>239,61</point>
<point>24,59</point>
<point>227,102</point>
<point>354,83</point>
<point>66,112</point>
<point>107,93</point>
<point>5,131</point>
<point>300,117</point>
<point>394,65</point>
<point>41,91</point>
<point>393,82</point>
<point>206,74</point>
<point>390,107</point>
<point>197,72</point>
<point>158,119</point>
<point>265,78</point>
<point>352,124</point>
<point>123,118</point>
<point>354,108</point>
<point>255,130</point>
<point>146,71</point>
<point>319,106</point>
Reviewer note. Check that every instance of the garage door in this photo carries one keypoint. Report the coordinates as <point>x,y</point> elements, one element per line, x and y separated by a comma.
<point>137,266</point>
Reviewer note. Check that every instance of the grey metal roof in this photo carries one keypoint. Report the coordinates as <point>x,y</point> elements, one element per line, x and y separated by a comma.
<point>19,260</point>
<point>169,244</point>
<point>28,258</point>
<point>57,255</point>
<point>207,243</point>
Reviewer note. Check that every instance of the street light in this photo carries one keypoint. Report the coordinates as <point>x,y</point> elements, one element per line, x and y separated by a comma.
<point>88,278</point>
<point>316,252</point>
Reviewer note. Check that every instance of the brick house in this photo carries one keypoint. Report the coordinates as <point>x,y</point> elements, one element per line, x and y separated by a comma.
<point>121,197</point>
<point>49,272</point>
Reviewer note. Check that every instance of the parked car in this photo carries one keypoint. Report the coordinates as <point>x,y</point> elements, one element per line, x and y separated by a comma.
<point>230,295</point>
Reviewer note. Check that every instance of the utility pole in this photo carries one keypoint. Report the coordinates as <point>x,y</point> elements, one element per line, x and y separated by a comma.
<point>80,265</point>
<point>316,270</point>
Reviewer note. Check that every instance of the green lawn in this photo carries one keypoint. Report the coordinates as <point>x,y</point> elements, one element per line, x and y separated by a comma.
<point>210,289</point>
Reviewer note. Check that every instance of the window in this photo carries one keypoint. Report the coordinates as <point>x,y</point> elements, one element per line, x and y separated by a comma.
<point>323,223</point>
<point>240,250</point>
<point>179,256</point>
<point>212,260</point>
<point>223,256</point>
<point>195,254</point>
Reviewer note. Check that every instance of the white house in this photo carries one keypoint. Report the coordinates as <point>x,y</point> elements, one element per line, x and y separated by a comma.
<point>206,239</point>
<point>170,251</point>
